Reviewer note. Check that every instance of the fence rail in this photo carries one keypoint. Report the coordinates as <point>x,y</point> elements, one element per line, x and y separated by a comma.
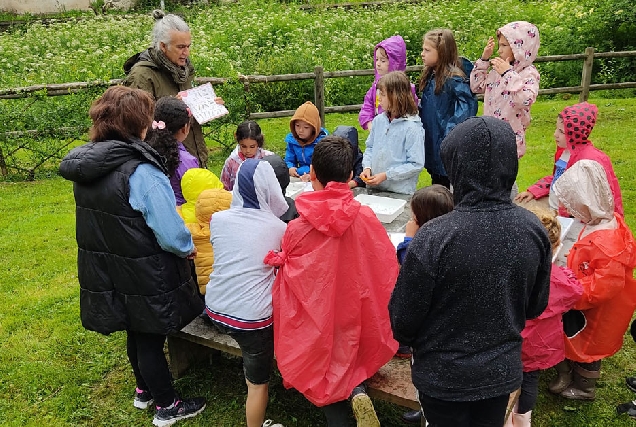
<point>319,76</point>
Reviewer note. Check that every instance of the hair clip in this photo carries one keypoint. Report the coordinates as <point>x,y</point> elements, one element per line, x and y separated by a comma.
<point>189,111</point>
<point>158,125</point>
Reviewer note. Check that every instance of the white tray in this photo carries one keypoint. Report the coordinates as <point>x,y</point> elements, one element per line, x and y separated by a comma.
<point>385,208</point>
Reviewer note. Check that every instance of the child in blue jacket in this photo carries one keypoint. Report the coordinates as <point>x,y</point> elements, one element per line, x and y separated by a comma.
<point>306,132</point>
<point>446,97</point>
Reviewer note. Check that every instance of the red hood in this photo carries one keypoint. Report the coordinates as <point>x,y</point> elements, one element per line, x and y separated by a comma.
<point>578,122</point>
<point>330,211</point>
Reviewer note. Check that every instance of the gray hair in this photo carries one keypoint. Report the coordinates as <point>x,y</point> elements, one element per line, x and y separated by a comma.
<point>164,24</point>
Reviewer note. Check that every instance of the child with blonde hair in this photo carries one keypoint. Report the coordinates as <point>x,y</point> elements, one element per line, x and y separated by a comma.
<point>446,98</point>
<point>394,154</point>
<point>509,82</point>
<point>543,344</point>
<point>388,55</point>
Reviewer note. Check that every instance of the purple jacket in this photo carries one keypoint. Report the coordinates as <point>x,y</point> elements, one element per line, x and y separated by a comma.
<point>395,48</point>
<point>186,161</point>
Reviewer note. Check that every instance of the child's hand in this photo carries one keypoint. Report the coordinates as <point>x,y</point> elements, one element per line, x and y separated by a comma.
<point>219,100</point>
<point>305,178</point>
<point>489,49</point>
<point>193,254</point>
<point>293,172</point>
<point>353,184</point>
<point>411,228</point>
<point>366,174</point>
<point>525,196</point>
<point>376,179</point>
<point>500,65</point>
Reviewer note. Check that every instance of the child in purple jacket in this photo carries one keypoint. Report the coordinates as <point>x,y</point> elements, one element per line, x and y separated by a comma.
<point>169,128</point>
<point>389,55</point>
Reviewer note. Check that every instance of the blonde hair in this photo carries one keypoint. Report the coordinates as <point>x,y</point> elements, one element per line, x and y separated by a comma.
<point>448,61</point>
<point>397,88</point>
<point>550,222</point>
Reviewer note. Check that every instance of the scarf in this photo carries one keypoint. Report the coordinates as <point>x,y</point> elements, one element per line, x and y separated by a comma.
<point>180,75</point>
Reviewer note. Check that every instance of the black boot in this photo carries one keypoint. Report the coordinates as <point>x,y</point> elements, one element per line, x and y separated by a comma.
<point>412,417</point>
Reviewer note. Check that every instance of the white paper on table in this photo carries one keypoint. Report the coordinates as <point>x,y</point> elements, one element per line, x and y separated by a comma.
<point>200,100</point>
<point>396,238</point>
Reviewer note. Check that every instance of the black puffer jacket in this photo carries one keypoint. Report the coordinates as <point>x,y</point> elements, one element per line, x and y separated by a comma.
<point>127,282</point>
<point>472,277</point>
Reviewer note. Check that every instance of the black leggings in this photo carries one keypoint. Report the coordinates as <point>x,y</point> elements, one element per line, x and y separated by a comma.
<point>529,392</point>
<point>338,414</point>
<point>479,413</point>
<point>148,361</point>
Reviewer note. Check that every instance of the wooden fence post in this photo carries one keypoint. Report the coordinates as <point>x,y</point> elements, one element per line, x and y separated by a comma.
<point>586,76</point>
<point>319,92</point>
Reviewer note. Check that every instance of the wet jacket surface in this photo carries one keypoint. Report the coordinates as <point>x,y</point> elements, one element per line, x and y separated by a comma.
<point>472,277</point>
<point>145,74</point>
<point>331,323</point>
<point>127,281</point>
<point>509,97</point>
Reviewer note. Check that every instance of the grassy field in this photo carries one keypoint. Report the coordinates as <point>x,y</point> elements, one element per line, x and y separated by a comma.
<point>55,373</point>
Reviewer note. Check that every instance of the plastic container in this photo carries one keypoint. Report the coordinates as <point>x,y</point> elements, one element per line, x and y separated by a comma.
<point>297,187</point>
<point>385,208</point>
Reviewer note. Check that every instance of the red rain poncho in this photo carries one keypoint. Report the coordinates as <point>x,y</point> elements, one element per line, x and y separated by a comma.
<point>331,295</point>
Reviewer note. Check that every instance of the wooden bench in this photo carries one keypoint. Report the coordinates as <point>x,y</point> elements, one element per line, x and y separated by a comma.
<point>392,383</point>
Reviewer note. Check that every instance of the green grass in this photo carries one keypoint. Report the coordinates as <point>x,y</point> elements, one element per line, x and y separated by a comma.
<point>55,373</point>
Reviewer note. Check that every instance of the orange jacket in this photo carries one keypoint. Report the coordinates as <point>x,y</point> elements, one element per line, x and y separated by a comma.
<point>604,262</point>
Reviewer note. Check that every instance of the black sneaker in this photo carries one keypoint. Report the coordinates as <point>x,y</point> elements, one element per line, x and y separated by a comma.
<point>143,399</point>
<point>179,410</point>
<point>627,408</point>
<point>631,383</point>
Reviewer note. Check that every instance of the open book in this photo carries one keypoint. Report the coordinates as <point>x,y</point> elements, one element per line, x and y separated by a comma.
<point>200,100</point>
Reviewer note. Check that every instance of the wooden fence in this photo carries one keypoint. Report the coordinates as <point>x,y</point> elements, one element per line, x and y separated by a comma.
<point>319,76</point>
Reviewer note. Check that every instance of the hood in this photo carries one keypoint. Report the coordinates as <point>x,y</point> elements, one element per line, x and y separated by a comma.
<point>280,169</point>
<point>480,156</point>
<point>330,211</point>
<point>524,42</point>
<point>193,182</point>
<point>585,192</point>
<point>256,187</point>
<point>578,122</point>
<point>95,160</point>
<point>350,133</point>
<point>395,48</point>
<point>309,114</point>
<point>138,57</point>
<point>211,201</point>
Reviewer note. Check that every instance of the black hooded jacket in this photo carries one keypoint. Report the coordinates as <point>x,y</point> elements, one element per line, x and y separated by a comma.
<point>472,277</point>
<point>127,281</point>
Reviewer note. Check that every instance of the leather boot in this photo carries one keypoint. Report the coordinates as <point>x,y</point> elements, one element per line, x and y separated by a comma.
<point>583,385</point>
<point>521,420</point>
<point>563,378</point>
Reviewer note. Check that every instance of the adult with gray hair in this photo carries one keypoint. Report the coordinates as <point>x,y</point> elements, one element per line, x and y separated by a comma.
<point>164,69</point>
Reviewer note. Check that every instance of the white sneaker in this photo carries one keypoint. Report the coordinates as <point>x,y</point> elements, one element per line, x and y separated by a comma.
<point>270,423</point>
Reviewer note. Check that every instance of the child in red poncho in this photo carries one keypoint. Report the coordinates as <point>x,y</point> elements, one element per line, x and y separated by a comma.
<point>331,294</point>
<point>603,259</point>
<point>543,344</point>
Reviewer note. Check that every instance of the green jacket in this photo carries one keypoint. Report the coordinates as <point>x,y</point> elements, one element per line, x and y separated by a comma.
<point>144,74</point>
